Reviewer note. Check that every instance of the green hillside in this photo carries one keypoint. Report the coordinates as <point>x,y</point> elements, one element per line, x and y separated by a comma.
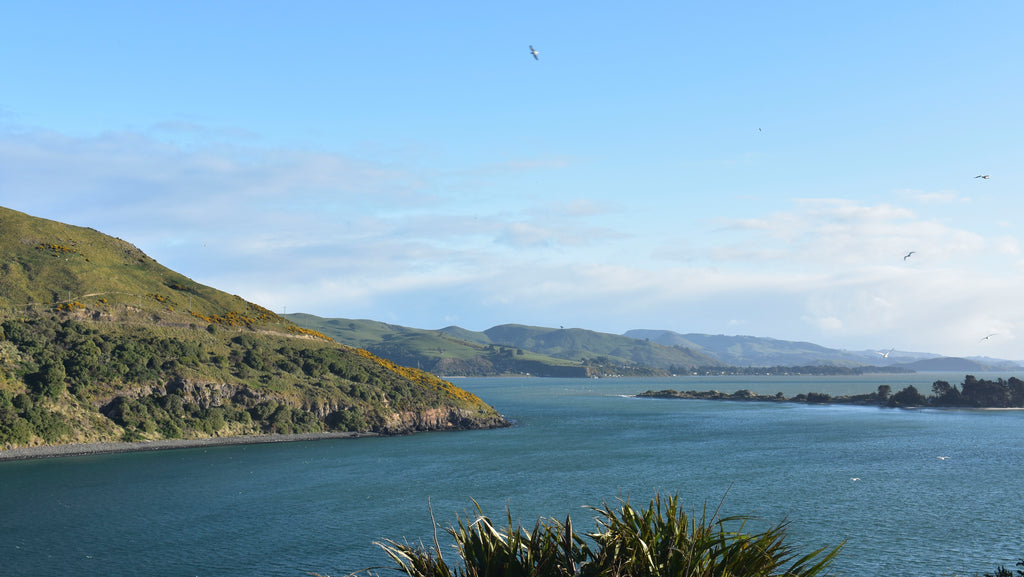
<point>99,342</point>
<point>509,349</point>
<point>49,265</point>
<point>581,344</point>
<point>440,352</point>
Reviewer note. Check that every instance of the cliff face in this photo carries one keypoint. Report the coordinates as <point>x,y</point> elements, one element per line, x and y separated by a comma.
<point>203,394</point>
<point>439,419</point>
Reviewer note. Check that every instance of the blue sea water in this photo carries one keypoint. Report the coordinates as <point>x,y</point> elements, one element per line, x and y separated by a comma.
<point>289,509</point>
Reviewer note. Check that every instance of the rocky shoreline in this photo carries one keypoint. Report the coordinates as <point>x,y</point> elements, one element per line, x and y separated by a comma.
<point>50,451</point>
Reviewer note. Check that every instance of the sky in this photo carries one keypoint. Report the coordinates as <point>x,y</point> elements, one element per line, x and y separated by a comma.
<point>734,167</point>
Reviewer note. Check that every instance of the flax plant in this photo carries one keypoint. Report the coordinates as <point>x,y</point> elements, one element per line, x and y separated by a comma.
<point>660,540</point>
<point>551,549</point>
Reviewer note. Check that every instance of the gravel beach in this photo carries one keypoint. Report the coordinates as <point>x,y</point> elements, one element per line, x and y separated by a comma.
<point>49,451</point>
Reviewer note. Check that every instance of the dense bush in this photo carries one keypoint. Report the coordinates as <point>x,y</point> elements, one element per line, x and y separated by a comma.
<point>56,367</point>
<point>973,392</point>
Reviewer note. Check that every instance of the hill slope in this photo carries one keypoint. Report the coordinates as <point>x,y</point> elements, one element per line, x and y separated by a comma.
<point>451,351</point>
<point>585,344</point>
<point>99,342</point>
<point>509,349</point>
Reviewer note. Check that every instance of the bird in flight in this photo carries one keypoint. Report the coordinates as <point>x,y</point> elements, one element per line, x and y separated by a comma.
<point>855,478</point>
<point>943,458</point>
<point>906,256</point>
<point>535,53</point>
<point>985,176</point>
<point>985,338</point>
<point>885,355</point>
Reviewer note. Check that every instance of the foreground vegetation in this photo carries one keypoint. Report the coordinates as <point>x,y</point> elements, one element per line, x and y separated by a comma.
<point>659,540</point>
<point>654,541</point>
<point>1002,571</point>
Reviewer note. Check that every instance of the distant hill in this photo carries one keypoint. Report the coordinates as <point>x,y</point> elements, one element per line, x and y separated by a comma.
<point>444,352</point>
<point>508,349</point>
<point>748,351</point>
<point>957,364</point>
<point>997,364</point>
<point>582,344</point>
<point>99,342</point>
<point>543,351</point>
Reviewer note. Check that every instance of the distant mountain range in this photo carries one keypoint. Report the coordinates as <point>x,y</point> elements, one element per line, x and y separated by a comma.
<point>543,351</point>
<point>747,351</point>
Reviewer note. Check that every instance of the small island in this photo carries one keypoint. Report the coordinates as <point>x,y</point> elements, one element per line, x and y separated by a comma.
<point>972,393</point>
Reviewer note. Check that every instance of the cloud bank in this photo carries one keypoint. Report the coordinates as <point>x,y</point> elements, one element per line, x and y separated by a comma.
<point>340,236</point>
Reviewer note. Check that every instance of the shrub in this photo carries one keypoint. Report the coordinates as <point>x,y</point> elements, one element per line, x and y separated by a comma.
<point>1002,571</point>
<point>656,541</point>
<point>213,420</point>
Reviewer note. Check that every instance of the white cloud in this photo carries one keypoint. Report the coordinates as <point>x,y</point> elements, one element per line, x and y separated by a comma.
<point>939,197</point>
<point>840,233</point>
<point>332,235</point>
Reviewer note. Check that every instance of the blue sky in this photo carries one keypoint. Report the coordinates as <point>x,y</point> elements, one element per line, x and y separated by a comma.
<point>716,167</point>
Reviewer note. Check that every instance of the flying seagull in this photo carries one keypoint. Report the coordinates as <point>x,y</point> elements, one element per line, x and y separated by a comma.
<point>943,458</point>
<point>906,256</point>
<point>535,53</point>
<point>855,478</point>
<point>985,176</point>
<point>885,355</point>
<point>985,338</point>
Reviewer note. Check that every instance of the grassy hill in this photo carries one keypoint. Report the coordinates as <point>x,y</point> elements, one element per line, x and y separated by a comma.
<point>49,265</point>
<point>99,342</point>
<point>444,352</point>
<point>508,349</point>
<point>581,344</point>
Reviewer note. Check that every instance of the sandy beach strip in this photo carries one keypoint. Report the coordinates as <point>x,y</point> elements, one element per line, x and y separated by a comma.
<point>49,451</point>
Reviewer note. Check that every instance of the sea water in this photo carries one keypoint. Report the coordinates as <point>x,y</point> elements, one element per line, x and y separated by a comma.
<point>290,509</point>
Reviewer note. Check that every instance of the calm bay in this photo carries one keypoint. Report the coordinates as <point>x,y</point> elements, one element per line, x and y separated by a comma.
<point>288,509</point>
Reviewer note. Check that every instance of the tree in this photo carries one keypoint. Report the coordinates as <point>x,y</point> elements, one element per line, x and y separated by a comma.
<point>945,394</point>
<point>941,388</point>
<point>984,393</point>
<point>908,397</point>
<point>50,380</point>
<point>1016,388</point>
<point>883,392</point>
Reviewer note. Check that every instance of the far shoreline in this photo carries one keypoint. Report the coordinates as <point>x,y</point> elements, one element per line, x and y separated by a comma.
<point>84,449</point>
